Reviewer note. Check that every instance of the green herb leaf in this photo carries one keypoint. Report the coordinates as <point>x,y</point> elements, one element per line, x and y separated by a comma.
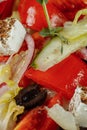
<point>41,1</point>
<point>61,48</point>
<point>45,32</point>
<point>56,30</point>
<point>53,32</point>
<point>63,39</point>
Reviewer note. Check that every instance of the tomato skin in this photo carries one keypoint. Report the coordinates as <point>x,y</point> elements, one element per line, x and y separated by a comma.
<point>32,14</point>
<point>23,47</point>
<point>49,123</point>
<point>39,40</point>
<point>63,77</point>
<point>56,99</point>
<point>69,7</point>
<point>24,82</point>
<point>6,8</point>
<point>69,4</point>
<point>2,7</point>
<point>3,58</point>
<point>38,119</point>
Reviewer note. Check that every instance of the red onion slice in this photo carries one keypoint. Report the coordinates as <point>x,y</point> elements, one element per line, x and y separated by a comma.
<point>21,61</point>
<point>31,47</point>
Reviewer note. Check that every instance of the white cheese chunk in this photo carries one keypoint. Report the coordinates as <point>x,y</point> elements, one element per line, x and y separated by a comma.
<point>63,118</point>
<point>12,34</point>
<point>78,106</point>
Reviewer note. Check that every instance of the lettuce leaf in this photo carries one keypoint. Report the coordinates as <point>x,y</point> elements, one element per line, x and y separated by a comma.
<point>9,110</point>
<point>77,29</point>
<point>8,115</point>
<point>11,93</point>
<point>5,72</point>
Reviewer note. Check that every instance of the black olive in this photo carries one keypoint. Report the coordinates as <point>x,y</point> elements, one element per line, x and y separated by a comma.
<point>31,96</point>
<point>81,128</point>
<point>27,93</point>
<point>84,61</point>
<point>37,100</point>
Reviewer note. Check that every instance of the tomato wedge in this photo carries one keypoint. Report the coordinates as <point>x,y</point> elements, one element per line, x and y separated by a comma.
<point>3,58</point>
<point>38,119</point>
<point>6,7</point>
<point>63,77</point>
<point>32,14</point>
<point>69,7</point>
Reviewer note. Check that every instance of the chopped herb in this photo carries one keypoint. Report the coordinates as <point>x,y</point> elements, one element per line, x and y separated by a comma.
<point>53,32</point>
<point>46,32</point>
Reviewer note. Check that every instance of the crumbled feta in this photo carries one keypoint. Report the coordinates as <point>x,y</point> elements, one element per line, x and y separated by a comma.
<point>78,106</point>
<point>12,34</point>
<point>63,118</point>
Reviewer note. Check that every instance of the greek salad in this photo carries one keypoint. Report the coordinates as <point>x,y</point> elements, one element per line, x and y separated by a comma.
<point>43,65</point>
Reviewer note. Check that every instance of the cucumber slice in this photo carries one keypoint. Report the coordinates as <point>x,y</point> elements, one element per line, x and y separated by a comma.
<point>51,53</point>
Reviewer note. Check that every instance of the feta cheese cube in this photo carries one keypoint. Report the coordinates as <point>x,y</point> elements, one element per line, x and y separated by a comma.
<point>12,34</point>
<point>63,118</point>
<point>78,106</point>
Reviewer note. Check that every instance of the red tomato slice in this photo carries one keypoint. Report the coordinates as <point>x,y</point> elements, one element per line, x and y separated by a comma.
<point>36,119</point>
<point>23,47</point>
<point>58,98</point>
<point>24,82</point>
<point>63,77</point>
<point>3,58</point>
<point>2,7</point>
<point>6,8</point>
<point>39,40</point>
<point>69,7</point>
<point>32,15</point>
<point>38,116</point>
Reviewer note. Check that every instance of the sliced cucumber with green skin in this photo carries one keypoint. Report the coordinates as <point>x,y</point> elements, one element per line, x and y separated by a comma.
<point>51,53</point>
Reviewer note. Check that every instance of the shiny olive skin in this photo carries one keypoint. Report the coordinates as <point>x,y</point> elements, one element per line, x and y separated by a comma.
<point>31,96</point>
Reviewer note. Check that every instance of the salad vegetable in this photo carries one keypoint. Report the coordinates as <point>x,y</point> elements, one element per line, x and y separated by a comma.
<point>59,78</point>
<point>39,117</point>
<point>6,7</point>
<point>76,40</point>
<point>9,110</point>
<point>43,84</point>
<point>62,117</point>
<point>29,14</point>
